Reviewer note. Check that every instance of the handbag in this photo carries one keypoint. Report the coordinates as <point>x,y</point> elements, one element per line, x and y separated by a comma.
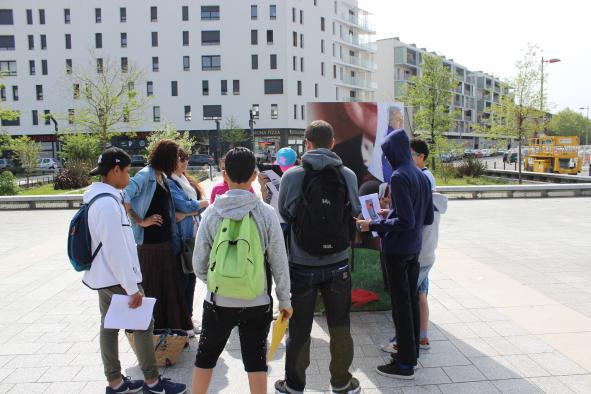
<point>187,247</point>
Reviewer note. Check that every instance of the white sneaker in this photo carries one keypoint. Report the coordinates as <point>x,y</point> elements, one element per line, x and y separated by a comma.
<point>190,333</point>
<point>390,347</point>
<point>196,327</point>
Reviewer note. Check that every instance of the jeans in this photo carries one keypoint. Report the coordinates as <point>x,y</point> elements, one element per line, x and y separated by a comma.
<point>403,274</point>
<point>334,283</point>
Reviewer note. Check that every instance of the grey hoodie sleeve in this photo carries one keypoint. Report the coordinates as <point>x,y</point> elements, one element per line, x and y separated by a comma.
<point>203,242</point>
<point>277,259</point>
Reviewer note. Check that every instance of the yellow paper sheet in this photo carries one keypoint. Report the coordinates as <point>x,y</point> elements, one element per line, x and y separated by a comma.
<point>279,328</point>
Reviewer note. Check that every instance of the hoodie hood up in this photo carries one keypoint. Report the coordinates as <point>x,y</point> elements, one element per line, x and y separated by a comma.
<point>321,157</point>
<point>396,148</point>
<point>100,187</point>
<point>235,204</point>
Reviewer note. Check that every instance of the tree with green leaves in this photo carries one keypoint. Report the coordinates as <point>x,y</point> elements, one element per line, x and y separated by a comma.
<point>568,122</point>
<point>169,132</point>
<point>517,115</point>
<point>231,132</point>
<point>430,95</point>
<point>27,151</point>
<point>105,99</point>
<point>80,147</point>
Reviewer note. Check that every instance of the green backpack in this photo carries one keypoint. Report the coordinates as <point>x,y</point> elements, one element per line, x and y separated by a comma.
<point>236,262</point>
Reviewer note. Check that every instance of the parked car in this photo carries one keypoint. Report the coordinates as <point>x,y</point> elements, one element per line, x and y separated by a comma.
<point>3,164</point>
<point>47,163</point>
<point>200,160</point>
<point>138,161</point>
<point>446,157</point>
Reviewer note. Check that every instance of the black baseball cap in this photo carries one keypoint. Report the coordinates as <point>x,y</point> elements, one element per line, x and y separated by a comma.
<point>110,158</point>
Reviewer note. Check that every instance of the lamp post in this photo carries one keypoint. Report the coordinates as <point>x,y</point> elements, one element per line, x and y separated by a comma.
<point>253,114</point>
<point>587,137</point>
<point>216,147</point>
<point>554,60</point>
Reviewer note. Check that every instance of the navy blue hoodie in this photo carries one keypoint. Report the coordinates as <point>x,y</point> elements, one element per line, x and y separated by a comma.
<point>412,202</point>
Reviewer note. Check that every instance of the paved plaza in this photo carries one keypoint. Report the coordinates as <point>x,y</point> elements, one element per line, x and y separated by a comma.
<point>510,309</point>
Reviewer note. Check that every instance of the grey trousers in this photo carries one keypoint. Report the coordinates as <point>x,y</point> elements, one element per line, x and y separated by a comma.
<point>109,341</point>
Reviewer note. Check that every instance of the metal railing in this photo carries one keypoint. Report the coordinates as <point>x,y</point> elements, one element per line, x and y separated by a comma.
<point>356,61</point>
<point>369,46</point>
<point>538,176</point>
<point>516,191</point>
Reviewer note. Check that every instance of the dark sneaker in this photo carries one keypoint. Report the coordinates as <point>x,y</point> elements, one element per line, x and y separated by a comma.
<point>165,386</point>
<point>393,370</point>
<point>352,388</point>
<point>128,386</point>
<point>394,360</point>
<point>281,387</point>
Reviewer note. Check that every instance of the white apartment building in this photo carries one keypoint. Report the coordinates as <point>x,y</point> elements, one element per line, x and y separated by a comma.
<point>398,62</point>
<point>202,62</point>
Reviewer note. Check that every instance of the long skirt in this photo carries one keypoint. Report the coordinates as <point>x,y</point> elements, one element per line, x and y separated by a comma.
<point>161,281</point>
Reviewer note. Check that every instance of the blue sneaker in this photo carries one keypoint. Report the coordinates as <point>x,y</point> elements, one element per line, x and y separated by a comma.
<point>128,386</point>
<point>165,386</point>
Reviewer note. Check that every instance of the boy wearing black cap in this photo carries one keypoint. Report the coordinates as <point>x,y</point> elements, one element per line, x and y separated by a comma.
<point>116,270</point>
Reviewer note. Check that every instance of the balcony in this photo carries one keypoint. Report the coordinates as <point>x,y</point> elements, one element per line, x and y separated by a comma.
<point>355,61</point>
<point>357,82</point>
<point>359,21</point>
<point>355,41</point>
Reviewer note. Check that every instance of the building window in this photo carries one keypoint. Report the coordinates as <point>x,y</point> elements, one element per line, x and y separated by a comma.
<point>149,88</point>
<point>224,87</point>
<point>253,12</point>
<point>39,92</point>
<point>321,46</point>
<point>124,65</point>
<point>211,112</point>
<point>154,14</point>
<point>6,17</point>
<point>187,113</point>
<point>44,67</point>
<point>68,66</point>
<point>334,71</point>
<point>274,111</point>
<point>205,88</point>
<point>155,64</point>
<point>293,15</point>
<point>255,111</point>
<point>295,39</point>
<point>35,115</point>
<point>301,40</point>
<point>254,37</point>
<point>302,109</point>
<point>41,17</point>
<point>273,86</point>
<point>31,67</point>
<point>185,12</point>
<point>210,63</point>
<point>254,62</point>
<point>295,111</point>
<point>316,90</point>
<point>299,88</point>
<point>210,37</point>
<point>236,87</point>
<point>154,38</point>
<point>269,36</point>
<point>122,14</point>
<point>210,12</point>
<point>322,68</point>
<point>174,88</point>
<point>8,68</point>
<point>97,15</point>
<point>43,42</point>
<point>98,40</point>
<point>67,16</point>
<point>294,61</point>
<point>302,64</point>
<point>7,43</point>
<point>68,41</point>
<point>99,65</point>
<point>273,60</point>
<point>15,93</point>
<point>185,38</point>
<point>29,17</point>
<point>123,40</point>
<point>273,11</point>
<point>31,40</point>
<point>301,17</point>
<point>71,116</point>
<point>76,91</point>
<point>3,93</point>
<point>47,116</point>
<point>156,113</point>
<point>186,63</point>
<point>322,27</point>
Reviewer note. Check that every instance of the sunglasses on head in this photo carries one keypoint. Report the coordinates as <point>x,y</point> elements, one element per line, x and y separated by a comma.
<point>183,159</point>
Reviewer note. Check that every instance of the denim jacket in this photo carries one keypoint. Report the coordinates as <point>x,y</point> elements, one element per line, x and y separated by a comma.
<point>139,193</point>
<point>182,203</point>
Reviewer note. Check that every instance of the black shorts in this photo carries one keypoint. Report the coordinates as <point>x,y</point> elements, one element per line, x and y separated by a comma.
<point>253,327</point>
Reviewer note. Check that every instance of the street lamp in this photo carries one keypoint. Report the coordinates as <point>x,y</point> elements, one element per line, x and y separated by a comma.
<point>553,60</point>
<point>216,147</point>
<point>253,114</point>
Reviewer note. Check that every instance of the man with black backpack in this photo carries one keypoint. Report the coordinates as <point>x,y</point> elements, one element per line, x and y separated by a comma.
<point>319,200</point>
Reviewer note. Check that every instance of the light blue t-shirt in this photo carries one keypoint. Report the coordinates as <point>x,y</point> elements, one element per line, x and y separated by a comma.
<point>431,178</point>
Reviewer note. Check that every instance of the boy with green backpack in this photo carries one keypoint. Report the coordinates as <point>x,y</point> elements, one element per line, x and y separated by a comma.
<point>240,246</point>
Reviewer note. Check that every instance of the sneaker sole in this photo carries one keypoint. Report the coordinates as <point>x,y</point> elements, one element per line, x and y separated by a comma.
<point>403,377</point>
<point>356,391</point>
<point>424,347</point>
<point>389,351</point>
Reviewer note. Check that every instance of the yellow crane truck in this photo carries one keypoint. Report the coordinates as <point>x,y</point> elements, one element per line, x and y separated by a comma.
<point>553,154</point>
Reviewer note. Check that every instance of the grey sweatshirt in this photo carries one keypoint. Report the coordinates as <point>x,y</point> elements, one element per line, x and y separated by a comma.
<point>236,204</point>
<point>290,195</point>
<point>431,232</point>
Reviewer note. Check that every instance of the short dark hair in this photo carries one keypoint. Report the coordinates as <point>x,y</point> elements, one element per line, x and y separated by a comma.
<point>320,134</point>
<point>164,156</point>
<point>420,146</point>
<point>240,164</point>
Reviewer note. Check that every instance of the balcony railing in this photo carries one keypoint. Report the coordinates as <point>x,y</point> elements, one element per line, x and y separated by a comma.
<point>369,46</point>
<point>348,80</point>
<point>355,20</point>
<point>356,61</point>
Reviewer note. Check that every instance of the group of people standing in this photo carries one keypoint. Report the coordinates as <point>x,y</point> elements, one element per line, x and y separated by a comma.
<point>163,212</point>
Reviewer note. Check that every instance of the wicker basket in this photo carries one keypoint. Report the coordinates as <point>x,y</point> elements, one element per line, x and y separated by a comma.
<point>168,345</point>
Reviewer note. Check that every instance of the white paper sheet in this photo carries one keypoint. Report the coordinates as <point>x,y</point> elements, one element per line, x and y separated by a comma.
<point>121,316</point>
<point>370,206</point>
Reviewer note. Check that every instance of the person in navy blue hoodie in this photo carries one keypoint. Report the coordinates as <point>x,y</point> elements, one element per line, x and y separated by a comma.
<point>401,234</point>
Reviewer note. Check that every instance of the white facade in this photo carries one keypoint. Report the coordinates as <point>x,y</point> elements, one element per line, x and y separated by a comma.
<point>308,36</point>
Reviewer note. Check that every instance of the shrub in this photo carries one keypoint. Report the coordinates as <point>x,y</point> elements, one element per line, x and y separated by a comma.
<point>447,171</point>
<point>73,176</point>
<point>8,186</point>
<point>471,166</point>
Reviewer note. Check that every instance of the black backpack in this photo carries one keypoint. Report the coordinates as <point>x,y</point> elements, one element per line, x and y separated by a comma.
<point>323,223</point>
